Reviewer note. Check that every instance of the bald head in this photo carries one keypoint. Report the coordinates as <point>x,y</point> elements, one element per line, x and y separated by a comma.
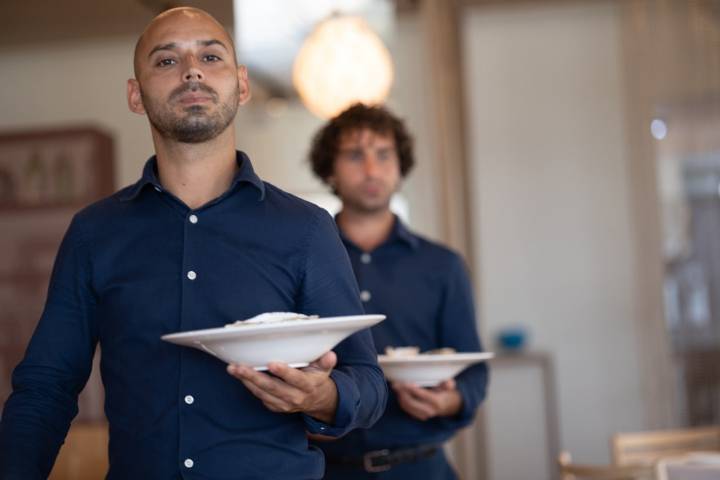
<point>179,22</point>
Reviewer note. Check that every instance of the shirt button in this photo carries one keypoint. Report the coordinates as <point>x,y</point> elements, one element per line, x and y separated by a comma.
<point>365,296</point>
<point>365,258</point>
<point>189,462</point>
<point>193,218</point>
<point>158,188</point>
<point>192,275</point>
<point>189,399</point>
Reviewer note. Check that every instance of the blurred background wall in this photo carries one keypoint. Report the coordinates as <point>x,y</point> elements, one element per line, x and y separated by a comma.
<point>552,195</point>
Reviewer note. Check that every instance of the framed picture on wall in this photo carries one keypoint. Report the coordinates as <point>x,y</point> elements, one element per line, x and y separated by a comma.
<point>54,168</point>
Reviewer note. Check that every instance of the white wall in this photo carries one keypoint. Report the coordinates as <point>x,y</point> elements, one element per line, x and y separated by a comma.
<point>551,202</point>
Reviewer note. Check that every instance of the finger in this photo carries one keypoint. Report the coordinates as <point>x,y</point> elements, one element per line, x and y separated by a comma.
<point>416,408</point>
<point>427,396</point>
<point>448,385</point>
<point>417,391</point>
<point>272,402</point>
<point>411,410</point>
<point>401,386</point>
<point>326,362</point>
<point>274,386</point>
<point>303,380</point>
<point>243,372</point>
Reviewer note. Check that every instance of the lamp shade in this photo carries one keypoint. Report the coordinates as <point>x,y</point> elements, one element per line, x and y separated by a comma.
<point>342,62</point>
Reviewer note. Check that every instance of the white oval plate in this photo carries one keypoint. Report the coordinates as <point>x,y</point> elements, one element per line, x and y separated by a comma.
<point>429,370</point>
<point>295,342</point>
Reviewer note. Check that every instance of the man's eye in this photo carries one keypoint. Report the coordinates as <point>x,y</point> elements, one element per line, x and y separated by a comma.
<point>164,62</point>
<point>211,58</point>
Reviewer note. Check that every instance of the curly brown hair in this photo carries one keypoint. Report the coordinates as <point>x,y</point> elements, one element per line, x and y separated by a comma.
<point>325,144</point>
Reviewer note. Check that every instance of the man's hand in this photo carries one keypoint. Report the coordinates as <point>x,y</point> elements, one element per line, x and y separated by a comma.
<point>426,403</point>
<point>310,390</point>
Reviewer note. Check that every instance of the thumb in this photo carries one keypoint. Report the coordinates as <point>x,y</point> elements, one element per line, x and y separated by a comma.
<point>448,385</point>
<point>326,362</point>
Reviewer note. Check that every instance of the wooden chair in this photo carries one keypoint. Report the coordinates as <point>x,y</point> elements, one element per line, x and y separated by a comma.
<point>84,454</point>
<point>575,471</point>
<point>646,448</point>
<point>696,465</point>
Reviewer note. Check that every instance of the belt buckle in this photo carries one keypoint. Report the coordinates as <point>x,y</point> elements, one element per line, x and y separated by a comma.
<point>368,464</point>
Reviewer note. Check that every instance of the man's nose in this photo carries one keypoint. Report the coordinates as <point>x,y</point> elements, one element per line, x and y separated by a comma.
<point>371,165</point>
<point>193,73</point>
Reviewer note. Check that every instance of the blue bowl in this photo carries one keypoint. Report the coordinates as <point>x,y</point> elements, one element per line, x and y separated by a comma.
<point>512,338</point>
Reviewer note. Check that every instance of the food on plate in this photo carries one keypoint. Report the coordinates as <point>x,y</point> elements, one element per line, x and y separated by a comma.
<point>402,351</point>
<point>440,351</point>
<point>414,351</point>
<point>271,317</point>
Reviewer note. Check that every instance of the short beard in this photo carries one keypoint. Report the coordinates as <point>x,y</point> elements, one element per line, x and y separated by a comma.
<point>196,126</point>
<point>363,207</point>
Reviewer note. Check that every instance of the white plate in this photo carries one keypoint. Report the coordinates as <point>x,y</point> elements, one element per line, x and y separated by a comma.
<point>429,370</point>
<point>296,342</point>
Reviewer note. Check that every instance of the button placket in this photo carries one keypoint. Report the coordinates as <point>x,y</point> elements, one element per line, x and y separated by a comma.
<point>187,404</point>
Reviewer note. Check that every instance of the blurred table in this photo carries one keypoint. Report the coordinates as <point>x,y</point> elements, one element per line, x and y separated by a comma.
<point>511,370</point>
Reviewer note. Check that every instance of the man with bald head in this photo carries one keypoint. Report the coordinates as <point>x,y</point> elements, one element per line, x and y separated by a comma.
<point>198,242</point>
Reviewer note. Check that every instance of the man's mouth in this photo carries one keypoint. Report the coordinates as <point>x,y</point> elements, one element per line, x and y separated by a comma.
<point>192,98</point>
<point>372,189</point>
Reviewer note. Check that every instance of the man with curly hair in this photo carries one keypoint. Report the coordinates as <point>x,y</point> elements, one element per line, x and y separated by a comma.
<point>363,154</point>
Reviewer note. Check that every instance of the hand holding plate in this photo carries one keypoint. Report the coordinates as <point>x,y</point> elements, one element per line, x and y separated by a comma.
<point>425,403</point>
<point>289,390</point>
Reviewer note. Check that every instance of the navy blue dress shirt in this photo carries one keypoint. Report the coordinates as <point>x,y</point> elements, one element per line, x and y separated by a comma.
<point>424,290</point>
<point>141,264</point>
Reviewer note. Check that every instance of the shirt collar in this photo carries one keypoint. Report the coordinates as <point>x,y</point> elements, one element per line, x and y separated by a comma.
<point>245,174</point>
<point>399,232</point>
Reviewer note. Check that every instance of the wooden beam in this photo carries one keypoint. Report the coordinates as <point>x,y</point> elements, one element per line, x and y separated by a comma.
<point>440,22</point>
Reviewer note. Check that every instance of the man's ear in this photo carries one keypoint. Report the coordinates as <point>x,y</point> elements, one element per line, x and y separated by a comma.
<point>244,85</point>
<point>134,98</point>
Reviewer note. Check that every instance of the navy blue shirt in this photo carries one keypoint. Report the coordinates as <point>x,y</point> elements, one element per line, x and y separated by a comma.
<point>424,290</point>
<point>141,264</point>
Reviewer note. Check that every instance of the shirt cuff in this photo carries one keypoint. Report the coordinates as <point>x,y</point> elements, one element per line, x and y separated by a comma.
<point>346,412</point>
<point>467,411</point>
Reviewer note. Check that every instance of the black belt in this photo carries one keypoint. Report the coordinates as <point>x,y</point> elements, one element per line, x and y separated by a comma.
<point>382,460</point>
